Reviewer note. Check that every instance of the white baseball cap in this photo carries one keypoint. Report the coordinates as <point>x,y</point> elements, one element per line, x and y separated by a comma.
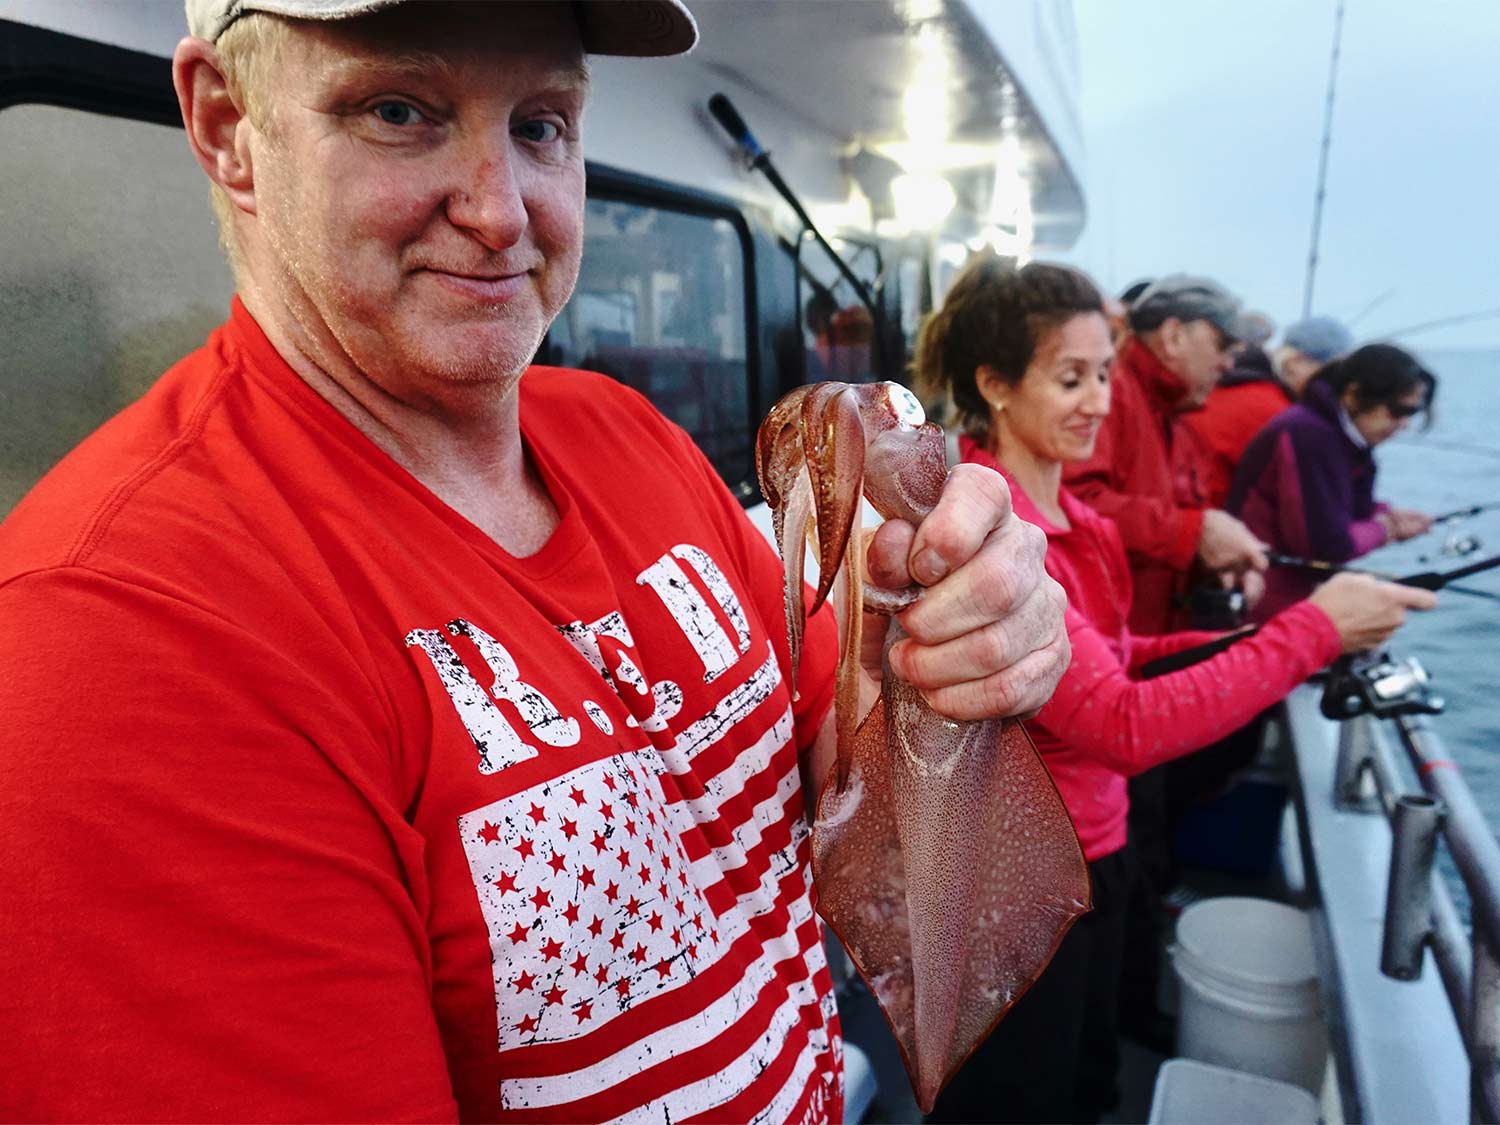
<point>642,28</point>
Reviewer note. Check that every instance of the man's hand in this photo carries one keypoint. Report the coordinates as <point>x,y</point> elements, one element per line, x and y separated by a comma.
<point>987,638</point>
<point>1227,544</point>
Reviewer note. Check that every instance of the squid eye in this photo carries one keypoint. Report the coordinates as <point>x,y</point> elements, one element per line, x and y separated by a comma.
<point>904,404</point>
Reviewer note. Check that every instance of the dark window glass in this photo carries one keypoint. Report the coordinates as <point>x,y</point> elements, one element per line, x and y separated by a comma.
<point>660,306</point>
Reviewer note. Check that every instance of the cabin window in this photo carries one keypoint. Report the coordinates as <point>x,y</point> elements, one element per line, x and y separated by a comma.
<point>661,306</point>
<point>111,272</point>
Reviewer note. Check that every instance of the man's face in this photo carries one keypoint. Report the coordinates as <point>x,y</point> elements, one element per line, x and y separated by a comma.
<point>1199,354</point>
<point>419,190</point>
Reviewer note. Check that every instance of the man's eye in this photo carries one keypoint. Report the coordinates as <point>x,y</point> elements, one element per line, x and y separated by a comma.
<point>398,113</point>
<point>538,132</point>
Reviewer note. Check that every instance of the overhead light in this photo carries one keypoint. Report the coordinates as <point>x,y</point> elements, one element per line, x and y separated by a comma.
<point>921,201</point>
<point>956,254</point>
<point>851,214</point>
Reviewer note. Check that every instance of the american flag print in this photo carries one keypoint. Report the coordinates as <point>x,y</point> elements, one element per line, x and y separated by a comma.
<point>590,916</point>
<point>590,905</point>
<point>654,949</point>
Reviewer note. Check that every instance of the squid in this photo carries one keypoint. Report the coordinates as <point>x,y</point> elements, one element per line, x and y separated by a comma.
<point>944,860</point>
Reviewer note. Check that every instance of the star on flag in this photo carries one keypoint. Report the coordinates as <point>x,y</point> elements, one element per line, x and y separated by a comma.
<point>577,912</point>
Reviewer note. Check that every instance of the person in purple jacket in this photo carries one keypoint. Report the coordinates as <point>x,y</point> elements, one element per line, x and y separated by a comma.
<point>1306,482</point>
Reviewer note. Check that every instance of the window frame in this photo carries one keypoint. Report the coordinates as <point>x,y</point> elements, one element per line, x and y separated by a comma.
<point>613,185</point>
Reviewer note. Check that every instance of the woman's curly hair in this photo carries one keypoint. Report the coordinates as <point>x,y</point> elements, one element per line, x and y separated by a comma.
<point>995,315</point>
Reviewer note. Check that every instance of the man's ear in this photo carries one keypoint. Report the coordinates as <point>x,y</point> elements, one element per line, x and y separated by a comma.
<point>217,128</point>
<point>1172,336</point>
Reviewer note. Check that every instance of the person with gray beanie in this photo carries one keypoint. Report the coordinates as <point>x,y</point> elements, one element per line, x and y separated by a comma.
<point>1306,347</point>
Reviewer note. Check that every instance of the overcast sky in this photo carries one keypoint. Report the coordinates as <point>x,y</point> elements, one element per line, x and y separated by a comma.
<point>1203,120</point>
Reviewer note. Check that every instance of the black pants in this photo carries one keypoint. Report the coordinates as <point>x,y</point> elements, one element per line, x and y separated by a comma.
<point>1150,878</point>
<point>1055,1056</point>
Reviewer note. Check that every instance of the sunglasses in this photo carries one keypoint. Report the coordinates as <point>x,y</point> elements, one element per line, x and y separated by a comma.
<point>1401,410</point>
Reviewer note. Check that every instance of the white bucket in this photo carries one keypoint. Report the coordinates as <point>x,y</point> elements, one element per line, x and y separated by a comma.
<point>1190,1093</point>
<point>1249,997</point>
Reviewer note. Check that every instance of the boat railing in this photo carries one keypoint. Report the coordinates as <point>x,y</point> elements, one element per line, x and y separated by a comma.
<point>1420,912</point>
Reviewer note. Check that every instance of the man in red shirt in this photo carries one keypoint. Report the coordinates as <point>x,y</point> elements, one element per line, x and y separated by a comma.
<point>1146,473</point>
<point>1258,388</point>
<point>395,731</point>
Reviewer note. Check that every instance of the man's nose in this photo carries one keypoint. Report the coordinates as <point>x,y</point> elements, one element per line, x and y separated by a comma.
<point>489,201</point>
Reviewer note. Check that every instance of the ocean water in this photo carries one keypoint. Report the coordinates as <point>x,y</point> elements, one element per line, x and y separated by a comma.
<point>1454,464</point>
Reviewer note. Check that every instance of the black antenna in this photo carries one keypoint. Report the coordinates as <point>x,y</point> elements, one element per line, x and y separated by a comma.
<point>1317,223</point>
<point>729,118</point>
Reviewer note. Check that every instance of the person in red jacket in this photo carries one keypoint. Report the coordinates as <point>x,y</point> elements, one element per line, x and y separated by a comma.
<point>1255,390</point>
<point>1146,471</point>
<point>1025,357</point>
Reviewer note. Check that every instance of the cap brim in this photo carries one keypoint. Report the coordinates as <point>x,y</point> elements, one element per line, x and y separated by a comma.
<point>637,28</point>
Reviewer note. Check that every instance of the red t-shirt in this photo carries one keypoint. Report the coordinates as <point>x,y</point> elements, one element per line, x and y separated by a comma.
<point>320,806</point>
<point>1101,725</point>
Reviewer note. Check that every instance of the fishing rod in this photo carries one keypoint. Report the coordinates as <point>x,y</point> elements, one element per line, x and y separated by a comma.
<point>1437,580</point>
<point>729,119</point>
<point>1326,144</point>
<point>1424,580</point>
<point>1444,322</point>
<point>1464,513</point>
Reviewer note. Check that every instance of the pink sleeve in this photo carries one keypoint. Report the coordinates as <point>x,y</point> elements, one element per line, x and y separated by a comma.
<point>1130,725</point>
<point>1366,535</point>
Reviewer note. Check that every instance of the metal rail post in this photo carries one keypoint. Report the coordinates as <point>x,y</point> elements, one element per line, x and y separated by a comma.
<point>1351,780</point>
<point>1484,1031</point>
<point>1471,842</point>
<point>1408,903</point>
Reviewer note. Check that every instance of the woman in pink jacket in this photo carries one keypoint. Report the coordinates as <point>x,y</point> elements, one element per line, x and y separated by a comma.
<point>1024,357</point>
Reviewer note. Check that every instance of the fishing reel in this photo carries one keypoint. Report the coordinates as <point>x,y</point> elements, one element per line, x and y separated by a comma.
<point>1376,683</point>
<point>1456,546</point>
